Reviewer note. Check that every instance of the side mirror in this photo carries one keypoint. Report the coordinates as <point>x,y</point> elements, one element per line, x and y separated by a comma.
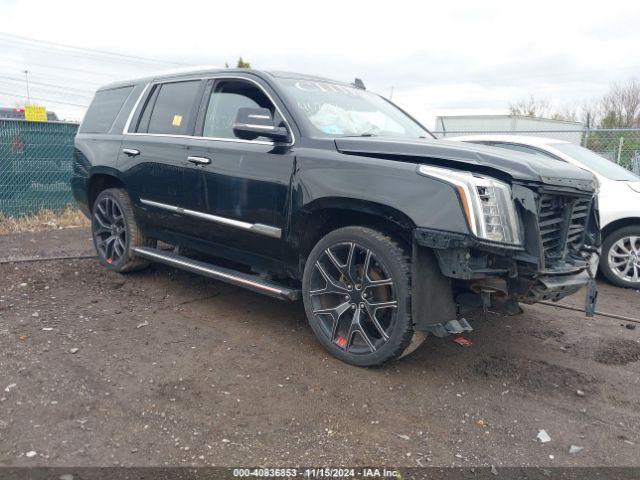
<point>252,123</point>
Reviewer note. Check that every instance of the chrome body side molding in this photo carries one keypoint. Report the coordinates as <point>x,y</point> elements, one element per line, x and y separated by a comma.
<point>267,230</point>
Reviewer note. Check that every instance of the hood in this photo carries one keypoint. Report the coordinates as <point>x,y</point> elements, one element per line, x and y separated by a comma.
<point>635,186</point>
<point>518,166</point>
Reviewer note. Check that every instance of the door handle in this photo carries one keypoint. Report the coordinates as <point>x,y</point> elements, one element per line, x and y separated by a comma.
<point>131,152</point>
<point>199,160</point>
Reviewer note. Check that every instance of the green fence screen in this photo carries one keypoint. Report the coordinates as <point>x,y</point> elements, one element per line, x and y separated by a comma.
<point>36,159</point>
<point>35,166</point>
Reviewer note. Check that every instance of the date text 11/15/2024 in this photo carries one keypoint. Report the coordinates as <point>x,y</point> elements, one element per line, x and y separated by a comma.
<point>317,472</point>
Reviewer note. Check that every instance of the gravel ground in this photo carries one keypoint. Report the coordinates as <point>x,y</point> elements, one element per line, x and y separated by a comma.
<point>162,367</point>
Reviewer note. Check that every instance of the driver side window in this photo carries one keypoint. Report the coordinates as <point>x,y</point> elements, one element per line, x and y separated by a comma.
<point>226,98</point>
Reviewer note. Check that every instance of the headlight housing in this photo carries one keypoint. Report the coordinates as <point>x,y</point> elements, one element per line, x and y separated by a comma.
<point>487,203</point>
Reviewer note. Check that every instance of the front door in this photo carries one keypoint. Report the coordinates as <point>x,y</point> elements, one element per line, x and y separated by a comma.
<point>245,186</point>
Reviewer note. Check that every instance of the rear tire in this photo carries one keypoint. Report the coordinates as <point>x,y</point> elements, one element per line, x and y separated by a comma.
<point>115,232</point>
<point>620,260</point>
<point>357,296</point>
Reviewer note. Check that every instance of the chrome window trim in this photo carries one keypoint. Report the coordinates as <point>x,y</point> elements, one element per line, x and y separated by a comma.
<point>219,139</point>
<point>125,130</point>
<point>235,140</point>
<point>253,227</point>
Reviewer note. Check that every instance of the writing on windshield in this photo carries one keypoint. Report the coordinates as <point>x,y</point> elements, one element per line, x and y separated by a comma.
<point>334,109</point>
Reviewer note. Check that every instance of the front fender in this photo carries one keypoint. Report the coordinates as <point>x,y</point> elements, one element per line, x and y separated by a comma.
<point>395,185</point>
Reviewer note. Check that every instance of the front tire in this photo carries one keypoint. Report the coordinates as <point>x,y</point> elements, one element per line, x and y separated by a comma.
<point>115,232</point>
<point>620,262</point>
<point>357,296</point>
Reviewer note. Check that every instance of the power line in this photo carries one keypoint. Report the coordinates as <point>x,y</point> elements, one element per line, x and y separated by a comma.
<point>8,94</point>
<point>56,67</point>
<point>18,38</point>
<point>44,75</point>
<point>64,88</point>
<point>73,97</point>
<point>78,55</point>
<point>47,85</point>
<point>52,90</point>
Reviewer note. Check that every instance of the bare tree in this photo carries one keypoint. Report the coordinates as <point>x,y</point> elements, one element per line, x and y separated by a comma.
<point>242,64</point>
<point>567,113</point>
<point>531,107</point>
<point>589,113</point>
<point>621,106</point>
<point>586,113</point>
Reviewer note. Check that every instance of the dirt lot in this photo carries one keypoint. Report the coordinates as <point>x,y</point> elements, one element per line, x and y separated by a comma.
<point>170,368</point>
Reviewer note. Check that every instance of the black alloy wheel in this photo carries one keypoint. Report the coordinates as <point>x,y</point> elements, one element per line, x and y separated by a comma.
<point>109,230</point>
<point>356,292</point>
<point>355,296</point>
<point>116,233</point>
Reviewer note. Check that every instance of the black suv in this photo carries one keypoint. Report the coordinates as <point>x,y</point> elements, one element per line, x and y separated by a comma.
<point>298,186</point>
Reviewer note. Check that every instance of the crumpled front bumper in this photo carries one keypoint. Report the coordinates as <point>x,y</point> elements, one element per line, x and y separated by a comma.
<point>506,271</point>
<point>556,287</point>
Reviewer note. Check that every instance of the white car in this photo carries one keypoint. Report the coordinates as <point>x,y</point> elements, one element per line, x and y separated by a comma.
<point>618,199</point>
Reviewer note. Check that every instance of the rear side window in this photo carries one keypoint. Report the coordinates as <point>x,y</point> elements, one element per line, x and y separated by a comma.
<point>104,109</point>
<point>172,111</point>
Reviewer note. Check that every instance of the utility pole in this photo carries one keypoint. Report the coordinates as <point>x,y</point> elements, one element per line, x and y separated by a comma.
<point>26,77</point>
<point>391,93</point>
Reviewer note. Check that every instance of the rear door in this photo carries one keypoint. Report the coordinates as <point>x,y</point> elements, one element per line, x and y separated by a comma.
<point>154,156</point>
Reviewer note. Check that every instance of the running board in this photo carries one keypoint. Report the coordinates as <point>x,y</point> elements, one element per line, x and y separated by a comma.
<point>252,282</point>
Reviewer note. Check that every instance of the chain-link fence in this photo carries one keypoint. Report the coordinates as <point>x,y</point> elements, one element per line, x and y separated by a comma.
<point>35,166</point>
<point>621,146</point>
<point>36,159</point>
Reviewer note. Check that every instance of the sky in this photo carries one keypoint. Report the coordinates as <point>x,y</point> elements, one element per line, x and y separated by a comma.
<point>434,58</point>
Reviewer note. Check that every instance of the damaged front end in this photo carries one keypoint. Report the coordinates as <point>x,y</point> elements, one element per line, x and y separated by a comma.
<point>557,256</point>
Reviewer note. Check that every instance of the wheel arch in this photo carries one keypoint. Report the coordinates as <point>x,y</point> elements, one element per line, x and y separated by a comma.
<point>618,224</point>
<point>327,214</point>
<point>100,179</point>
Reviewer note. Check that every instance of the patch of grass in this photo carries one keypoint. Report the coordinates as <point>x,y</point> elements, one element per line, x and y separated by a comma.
<point>43,220</point>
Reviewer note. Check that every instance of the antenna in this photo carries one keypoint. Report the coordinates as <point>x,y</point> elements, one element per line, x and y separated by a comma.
<point>358,83</point>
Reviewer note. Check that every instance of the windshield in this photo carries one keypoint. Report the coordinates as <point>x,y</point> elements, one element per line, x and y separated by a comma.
<point>337,110</point>
<point>595,162</point>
